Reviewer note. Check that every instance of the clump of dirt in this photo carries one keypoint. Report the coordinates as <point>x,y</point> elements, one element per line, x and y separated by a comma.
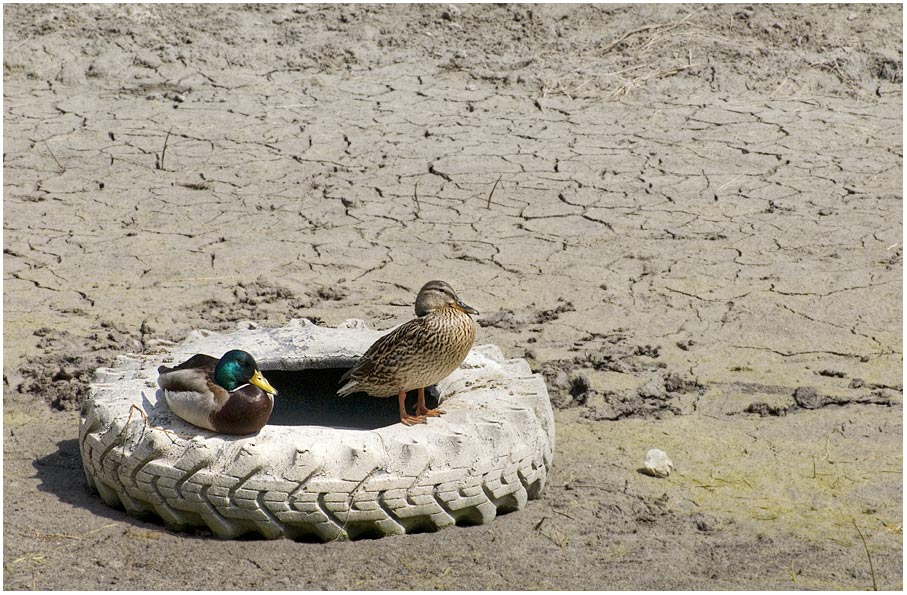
<point>651,400</point>
<point>763,409</point>
<point>257,300</point>
<point>61,381</point>
<point>61,375</point>
<point>616,353</point>
<point>509,319</point>
<point>569,386</point>
<point>678,383</point>
<point>808,397</point>
<point>331,293</point>
<point>566,388</point>
<point>890,70</point>
<point>832,373</point>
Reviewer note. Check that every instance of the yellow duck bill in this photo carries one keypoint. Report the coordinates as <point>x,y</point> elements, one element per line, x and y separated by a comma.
<point>259,380</point>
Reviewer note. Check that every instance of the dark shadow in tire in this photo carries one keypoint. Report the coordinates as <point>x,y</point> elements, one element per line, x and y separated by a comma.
<point>309,398</point>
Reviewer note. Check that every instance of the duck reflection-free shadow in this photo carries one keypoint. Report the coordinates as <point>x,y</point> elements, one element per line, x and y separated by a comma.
<point>309,398</point>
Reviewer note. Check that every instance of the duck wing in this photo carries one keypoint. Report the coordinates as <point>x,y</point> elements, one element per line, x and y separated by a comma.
<point>362,368</point>
<point>190,390</point>
<point>193,376</point>
<point>197,361</point>
<point>385,353</point>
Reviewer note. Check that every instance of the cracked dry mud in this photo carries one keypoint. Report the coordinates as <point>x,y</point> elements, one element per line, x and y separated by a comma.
<point>687,218</point>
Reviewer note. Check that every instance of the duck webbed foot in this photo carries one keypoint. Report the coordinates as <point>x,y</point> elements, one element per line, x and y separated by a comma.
<point>405,418</point>
<point>424,411</point>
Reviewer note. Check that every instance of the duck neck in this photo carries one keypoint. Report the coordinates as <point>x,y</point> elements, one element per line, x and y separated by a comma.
<point>456,315</point>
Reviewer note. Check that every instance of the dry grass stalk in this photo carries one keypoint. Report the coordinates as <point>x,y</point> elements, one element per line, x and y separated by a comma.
<point>665,26</point>
<point>490,194</point>
<point>550,86</point>
<point>60,165</point>
<point>160,164</point>
<point>872,570</point>
<point>657,74</point>
<point>834,66</point>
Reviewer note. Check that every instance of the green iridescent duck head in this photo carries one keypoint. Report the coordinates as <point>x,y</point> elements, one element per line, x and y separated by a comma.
<point>237,368</point>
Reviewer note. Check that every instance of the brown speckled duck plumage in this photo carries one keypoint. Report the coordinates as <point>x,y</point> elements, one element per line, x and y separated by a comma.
<point>418,353</point>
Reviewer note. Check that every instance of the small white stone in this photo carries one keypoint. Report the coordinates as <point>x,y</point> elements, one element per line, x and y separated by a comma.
<point>658,464</point>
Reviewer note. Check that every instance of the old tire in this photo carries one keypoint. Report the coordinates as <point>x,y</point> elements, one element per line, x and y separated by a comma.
<point>490,453</point>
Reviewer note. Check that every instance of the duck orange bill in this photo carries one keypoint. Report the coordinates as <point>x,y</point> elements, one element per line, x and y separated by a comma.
<point>467,309</point>
<point>259,380</point>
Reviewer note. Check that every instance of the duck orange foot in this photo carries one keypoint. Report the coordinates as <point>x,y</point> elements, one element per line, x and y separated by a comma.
<point>405,418</point>
<point>424,411</point>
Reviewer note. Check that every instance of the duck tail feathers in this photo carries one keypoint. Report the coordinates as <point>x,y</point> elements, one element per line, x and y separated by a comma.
<point>348,388</point>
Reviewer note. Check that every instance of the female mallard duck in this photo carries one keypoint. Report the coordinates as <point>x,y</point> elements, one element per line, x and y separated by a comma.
<point>418,353</point>
<point>229,395</point>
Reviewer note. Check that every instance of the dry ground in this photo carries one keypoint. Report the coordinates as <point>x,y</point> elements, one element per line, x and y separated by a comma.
<point>694,234</point>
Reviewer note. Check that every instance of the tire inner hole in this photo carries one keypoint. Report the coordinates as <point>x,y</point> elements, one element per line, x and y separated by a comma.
<point>309,398</point>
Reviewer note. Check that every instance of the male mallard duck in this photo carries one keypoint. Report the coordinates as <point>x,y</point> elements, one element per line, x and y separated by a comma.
<point>229,395</point>
<point>418,353</point>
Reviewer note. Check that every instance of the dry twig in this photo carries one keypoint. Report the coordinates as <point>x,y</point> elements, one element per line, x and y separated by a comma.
<point>60,165</point>
<point>160,164</point>
<point>490,194</point>
<point>666,26</point>
<point>657,74</point>
<point>872,570</point>
<point>625,36</point>
<point>549,86</point>
<point>558,539</point>
<point>147,424</point>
